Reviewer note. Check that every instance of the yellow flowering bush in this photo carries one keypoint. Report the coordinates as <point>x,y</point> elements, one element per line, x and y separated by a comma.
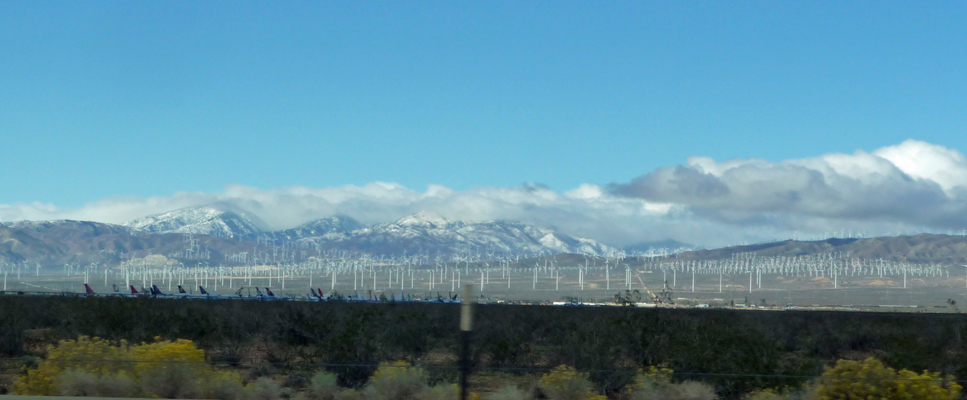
<point>653,377</point>
<point>92,355</point>
<point>566,383</point>
<point>656,383</point>
<point>870,379</point>
<point>162,368</point>
<point>397,380</point>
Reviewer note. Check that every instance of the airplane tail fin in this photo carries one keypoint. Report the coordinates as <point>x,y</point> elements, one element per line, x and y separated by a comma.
<point>269,292</point>
<point>181,290</point>
<point>202,290</point>
<point>133,290</point>
<point>156,290</point>
<point>319,290</point>
<point>88,289</point>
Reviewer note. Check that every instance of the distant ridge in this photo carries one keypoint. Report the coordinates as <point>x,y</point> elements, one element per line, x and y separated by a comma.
<point>216,220</point>
<point>420,232</point>
<point>218,233</point>
<point>429,233</point>
<point>924,248</point>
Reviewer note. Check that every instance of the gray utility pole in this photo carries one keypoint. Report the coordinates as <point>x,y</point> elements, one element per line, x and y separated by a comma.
<point>466,324</point>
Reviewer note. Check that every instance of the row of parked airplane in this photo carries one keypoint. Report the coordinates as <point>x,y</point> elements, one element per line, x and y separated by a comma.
<point>317,294</point>
<point>314,295</point>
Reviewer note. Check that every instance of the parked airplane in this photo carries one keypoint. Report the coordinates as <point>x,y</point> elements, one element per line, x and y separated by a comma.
<point>90,292</point>
<point>272,296</point>
<point>157,292</point>
<point>313,295</point>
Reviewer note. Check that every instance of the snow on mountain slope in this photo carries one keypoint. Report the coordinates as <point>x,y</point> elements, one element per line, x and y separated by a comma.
<point>331,228</point>
<point>421,232</point>
<point>200,220</point>
<point>427,232</point>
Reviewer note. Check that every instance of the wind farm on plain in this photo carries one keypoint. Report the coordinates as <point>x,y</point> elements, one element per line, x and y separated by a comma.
<point>656,278</point>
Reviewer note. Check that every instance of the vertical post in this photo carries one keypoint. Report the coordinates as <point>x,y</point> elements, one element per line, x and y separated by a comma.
<point>466,322</point>
<point>693,279</point>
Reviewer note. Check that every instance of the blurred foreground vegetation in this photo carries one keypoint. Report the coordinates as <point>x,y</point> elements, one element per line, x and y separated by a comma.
<point>607,351</point>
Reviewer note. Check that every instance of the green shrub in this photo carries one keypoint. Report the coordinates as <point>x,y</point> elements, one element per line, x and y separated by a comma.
<point>117,385</point>
<point>508,393</point>
<point>265,388</point>
<point>565,383</point>
<point>350,394</point>
<point>656,384</point>
<point>77,383</point>
<point>441,392</point>
<point>396,381</point>
<point>807,392</point>
<point>692,390</point>
<point>688,390</point>
<point>870,379</point>
<point>83,383</point>
<point>224,386</point>
<point>170,381</point>
<point>322,386</point>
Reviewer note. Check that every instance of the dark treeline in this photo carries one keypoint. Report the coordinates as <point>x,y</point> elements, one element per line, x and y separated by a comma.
<point>610,343</point>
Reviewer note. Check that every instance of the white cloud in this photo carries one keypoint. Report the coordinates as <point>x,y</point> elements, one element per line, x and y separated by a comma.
<point>913,186</point>
<point>910,186</point>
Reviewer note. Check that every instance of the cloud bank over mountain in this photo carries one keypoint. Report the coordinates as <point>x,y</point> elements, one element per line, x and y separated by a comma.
<point>910,187</point>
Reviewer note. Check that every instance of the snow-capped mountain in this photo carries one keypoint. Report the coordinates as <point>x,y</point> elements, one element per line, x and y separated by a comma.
<point>421,232</point>
<point>209,220</point>
<point>428,232</point>
<point>326,228</point>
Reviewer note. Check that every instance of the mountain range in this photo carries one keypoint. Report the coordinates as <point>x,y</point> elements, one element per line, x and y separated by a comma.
<point>217,231</point>
<point>213,233</point>
<point>421,232</point>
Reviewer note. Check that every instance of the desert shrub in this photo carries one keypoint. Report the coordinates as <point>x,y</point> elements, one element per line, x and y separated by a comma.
<point>174,381</point>
<point>77,383</point>
<point>656,384</point>
<point>440,392</point>
<point>295,381</point>
<point>691,390</point>
<point>397,381</point>
<point>280,357</point>
<point>91,355</point>
<point>163,368</point>
<point>265,388</point>
<point>322,386</point>
<point>869,379</point>
<point>170,369</point>
<point>82,383</point>
<point>231,354</point>
<point>12,335</point>
<point>565,383</point>
<point>807,392</point>
<point>350,394</point>
<point>117,385</point>
<point>223,386</point>
<point>508,393</point>
<point>259,371</point>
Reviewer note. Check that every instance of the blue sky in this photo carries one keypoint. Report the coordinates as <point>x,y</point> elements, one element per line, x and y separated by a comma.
<point>137,99</point>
